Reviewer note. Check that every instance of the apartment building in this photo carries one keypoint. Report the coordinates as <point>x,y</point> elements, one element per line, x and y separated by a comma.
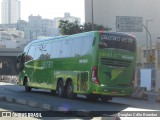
<point>10,11</point>
<point>11,38</point>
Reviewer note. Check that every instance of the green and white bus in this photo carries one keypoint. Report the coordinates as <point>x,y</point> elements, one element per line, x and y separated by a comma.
<point>97,64</point>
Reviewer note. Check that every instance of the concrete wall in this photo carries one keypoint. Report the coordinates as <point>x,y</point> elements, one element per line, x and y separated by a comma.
<point>157,81</point>
<point>105,12</point>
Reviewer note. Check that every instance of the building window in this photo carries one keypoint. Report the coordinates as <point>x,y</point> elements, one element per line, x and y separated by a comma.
<point>153,51</point>
<point>152,65</point>
<point>139,65</point>
<point>146,65</point>
<point>145,53</point>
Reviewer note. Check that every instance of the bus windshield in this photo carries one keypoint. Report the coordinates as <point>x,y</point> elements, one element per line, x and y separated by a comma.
<point>118,41</point>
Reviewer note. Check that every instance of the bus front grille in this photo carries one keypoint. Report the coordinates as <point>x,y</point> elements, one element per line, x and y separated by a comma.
<point>115,62</point>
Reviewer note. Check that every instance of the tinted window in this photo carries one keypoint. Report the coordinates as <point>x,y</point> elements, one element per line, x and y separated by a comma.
<point>38,51</point>
<point>76,47</point>
<point>45,49</point>
<point>31,53</point>
<point>117,41</point>
<point>56,49</point>
<point>87,42</point>
<point>66,48</point>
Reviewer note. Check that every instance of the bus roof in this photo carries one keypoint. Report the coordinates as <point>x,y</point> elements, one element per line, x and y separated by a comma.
<point>90,32</point>
<point>76,35</point>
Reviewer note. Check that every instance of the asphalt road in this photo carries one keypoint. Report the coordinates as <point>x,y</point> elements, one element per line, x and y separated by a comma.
<point>44,96</point>
<point>109,109</point>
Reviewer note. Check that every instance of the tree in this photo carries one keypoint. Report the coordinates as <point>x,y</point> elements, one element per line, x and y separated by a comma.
<point>88,27</point>
<point>69,28</point>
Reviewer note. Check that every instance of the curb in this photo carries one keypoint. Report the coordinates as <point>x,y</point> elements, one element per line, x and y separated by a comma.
<point>45,106</point>
<point>28,103</point>
<point>140,93</point>
<point>33,104</point>
<point>21,101</point>
<point>2,98</point>
<point>9,99</point>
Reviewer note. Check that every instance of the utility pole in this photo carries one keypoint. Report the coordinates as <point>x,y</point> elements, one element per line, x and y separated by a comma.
<point>150,56</point>
<point>92,15</point>
<point>148,33</point>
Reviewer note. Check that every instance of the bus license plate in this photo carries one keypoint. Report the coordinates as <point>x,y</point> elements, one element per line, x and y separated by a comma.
<point>114,92</point>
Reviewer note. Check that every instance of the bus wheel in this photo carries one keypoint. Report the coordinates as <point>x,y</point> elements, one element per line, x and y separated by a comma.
<point>105,98</point>
<point>60,89</point>
<point>69,90</point>
<point>27,88</point>
<point>53,92</point>
<point>92,98</point>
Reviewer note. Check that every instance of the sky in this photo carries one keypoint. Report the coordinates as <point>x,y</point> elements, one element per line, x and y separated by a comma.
<point>51,8</point>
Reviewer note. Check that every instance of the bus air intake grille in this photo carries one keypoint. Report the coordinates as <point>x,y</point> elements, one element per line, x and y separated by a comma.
<point>115,62</point>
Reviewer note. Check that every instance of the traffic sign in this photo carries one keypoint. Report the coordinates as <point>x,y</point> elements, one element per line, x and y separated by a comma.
<point>129,24</point>
<point>151,58</point>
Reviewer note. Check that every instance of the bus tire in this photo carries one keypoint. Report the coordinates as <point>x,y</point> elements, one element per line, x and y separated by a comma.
<point>105,98</point>
<point>60,89</point>
<point>27,88</point>
<point>93,98</point>
<point>53,92</point>
<point>69,90</point>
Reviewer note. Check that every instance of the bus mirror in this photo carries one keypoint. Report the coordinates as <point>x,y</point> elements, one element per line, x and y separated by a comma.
<point>20,61</point>
<point>19,57</point>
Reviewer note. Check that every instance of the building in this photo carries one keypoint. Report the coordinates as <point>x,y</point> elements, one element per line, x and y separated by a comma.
<point>11,38</point>
<point>37,27</point>
<point>105,12</point>
<point>68,17</point>
<point>149,59</point>
<point>21,25</point>
<point>10,11</point>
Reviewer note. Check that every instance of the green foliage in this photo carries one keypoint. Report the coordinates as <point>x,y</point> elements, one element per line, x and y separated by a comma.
<point>69,28</point>
<point>88,27</point>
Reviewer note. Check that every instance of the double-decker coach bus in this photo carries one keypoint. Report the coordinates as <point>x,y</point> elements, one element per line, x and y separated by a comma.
<point>97,64</point>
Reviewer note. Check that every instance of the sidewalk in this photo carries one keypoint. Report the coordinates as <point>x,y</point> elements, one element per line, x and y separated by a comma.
<point>144,104</point>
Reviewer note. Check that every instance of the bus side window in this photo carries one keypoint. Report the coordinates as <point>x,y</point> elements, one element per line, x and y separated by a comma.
<point>43,51</point>
<point>56,49</point>
<point>37,51</point>
<point>31,54</point>
<point>20,61</point>
<point>76,47</point>
<point>46,52</point>
<point>87,44</point>
<point>66,48</point>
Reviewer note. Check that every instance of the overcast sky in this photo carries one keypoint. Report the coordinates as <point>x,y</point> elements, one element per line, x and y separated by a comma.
<point>51,8</point>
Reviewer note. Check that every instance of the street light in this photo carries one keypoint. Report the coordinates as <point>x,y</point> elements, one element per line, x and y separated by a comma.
<point>148,33</point>
<point>149,54</point>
